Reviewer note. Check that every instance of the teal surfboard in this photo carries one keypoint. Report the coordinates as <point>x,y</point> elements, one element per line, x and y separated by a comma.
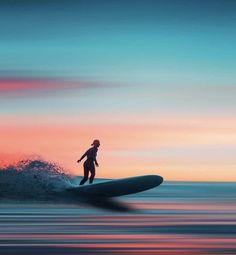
<point>118,187</point>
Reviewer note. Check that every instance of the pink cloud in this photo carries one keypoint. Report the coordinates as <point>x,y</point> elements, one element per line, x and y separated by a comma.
<point>38,86</point>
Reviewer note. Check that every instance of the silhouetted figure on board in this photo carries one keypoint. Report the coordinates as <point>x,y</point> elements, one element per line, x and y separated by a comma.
<point>89,162</point>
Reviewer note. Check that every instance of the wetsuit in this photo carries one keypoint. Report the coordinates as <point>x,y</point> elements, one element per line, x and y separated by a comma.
<point>89,164</point>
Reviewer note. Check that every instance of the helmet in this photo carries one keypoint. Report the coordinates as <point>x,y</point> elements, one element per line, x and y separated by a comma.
<point>96,142</point>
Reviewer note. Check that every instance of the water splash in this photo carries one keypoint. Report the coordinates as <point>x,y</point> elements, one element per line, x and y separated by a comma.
<point>32,179</point>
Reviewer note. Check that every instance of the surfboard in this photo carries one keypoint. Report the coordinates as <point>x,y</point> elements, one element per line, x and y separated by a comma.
<point>118,187</point>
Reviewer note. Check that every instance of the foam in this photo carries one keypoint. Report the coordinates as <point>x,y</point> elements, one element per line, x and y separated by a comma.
<point>33,179</point>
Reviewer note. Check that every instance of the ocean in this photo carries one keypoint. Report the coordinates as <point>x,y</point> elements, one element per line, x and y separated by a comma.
<point>174,218</point>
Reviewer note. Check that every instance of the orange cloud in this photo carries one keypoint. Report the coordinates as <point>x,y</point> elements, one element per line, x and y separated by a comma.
<point>127,149</point>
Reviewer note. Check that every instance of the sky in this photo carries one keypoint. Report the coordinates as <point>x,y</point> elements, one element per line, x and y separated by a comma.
<point>153,80</point>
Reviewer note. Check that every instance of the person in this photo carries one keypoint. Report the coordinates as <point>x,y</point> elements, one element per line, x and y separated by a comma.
<point>89,162</point>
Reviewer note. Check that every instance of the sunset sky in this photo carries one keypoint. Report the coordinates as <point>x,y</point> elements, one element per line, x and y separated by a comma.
<point>154,80</point>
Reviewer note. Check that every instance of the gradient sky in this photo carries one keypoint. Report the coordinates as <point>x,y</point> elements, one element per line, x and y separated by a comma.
<point>153,80</point>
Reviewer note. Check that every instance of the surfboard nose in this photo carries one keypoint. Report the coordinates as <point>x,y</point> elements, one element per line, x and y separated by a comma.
<point>154,179</point>
<point>161,179</point>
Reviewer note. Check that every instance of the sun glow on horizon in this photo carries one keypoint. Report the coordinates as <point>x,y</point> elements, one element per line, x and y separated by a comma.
<point>187,150</point>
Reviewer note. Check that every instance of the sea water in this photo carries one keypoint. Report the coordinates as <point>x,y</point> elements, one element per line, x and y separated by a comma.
<point>174,218</point>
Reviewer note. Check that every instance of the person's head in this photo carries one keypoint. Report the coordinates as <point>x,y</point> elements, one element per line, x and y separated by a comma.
<point>96,143</point>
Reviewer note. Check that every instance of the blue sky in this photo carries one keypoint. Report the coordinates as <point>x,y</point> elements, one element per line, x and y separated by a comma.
<point>160,46</point>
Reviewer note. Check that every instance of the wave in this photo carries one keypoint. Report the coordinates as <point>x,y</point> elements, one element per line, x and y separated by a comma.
<point>33,179</point>
<point>41,181</point>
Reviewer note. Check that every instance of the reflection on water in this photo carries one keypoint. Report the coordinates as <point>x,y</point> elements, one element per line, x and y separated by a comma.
<point>175,218</point>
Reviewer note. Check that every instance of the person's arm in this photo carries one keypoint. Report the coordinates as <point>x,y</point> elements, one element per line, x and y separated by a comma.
<point>84,155</point>
<point>96,163</point>
<point>95,159</point>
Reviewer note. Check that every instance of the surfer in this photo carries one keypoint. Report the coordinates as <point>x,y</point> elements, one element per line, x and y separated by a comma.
<point>89,162</point>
